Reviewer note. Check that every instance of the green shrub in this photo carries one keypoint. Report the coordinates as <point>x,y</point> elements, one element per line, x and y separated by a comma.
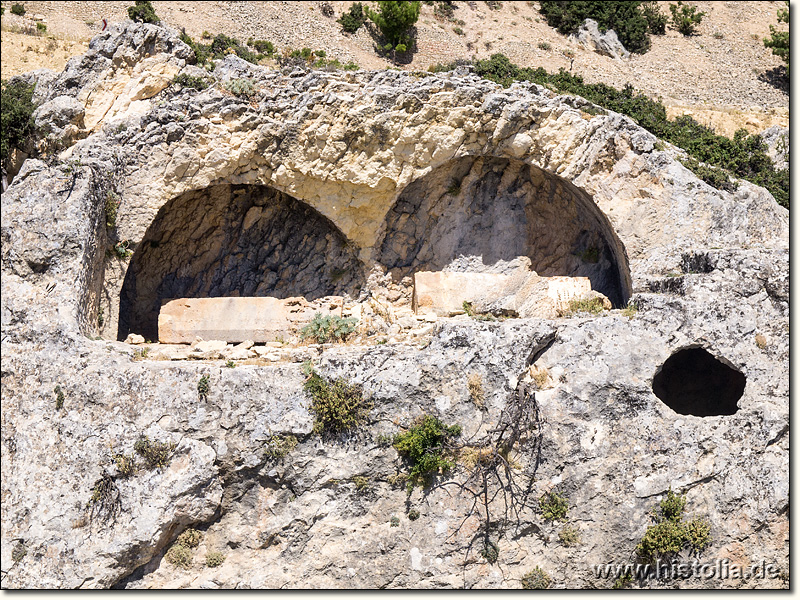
<point>537,579</point>
<point>122,250</point>
<point>779,40</point>
<point>111,206</point>
<point>41,27</point>
<point>493,4</point>
<point>279,446</point>
<point>20,550</point>
<point>626,18</point>
<point>156,455</point>
<point>743,156</point>
<point>241,88</point>
<point>214,559</point>
<point>458,31</point>
<point>328,328</point>
<point>126,465</point>
<point>143,12</point>
<point>544,46</point>
<point>180,556</point>
<point>203,387</point>
<point>685,18</point>
<point>569,536</point>
<point>59,397</point>
<point>262,46</point>
<point>424,445</point>
<point>697,534</point>
<point>362,483</point>
<point>656,20</point>
<point>190,538</point>
<point>202,52</point>
<point>190,81</point>
<point>394,521</point>
<point>671,534</point>
<point>413,514</point>
<point>16,116</point>
<point>395,20</point>
<point>338,407</point>
<point>491,552</point>
<point>352,20</point>
<point>672,506</point>
<point>622,581</point>
<point>17,9</point>
<point>554,506</point>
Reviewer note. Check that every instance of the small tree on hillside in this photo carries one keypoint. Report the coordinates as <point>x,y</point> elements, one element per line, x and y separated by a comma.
<point>685,18</point>
<point>779,41</point>
<point>394,19</point>
<point>143,12</point>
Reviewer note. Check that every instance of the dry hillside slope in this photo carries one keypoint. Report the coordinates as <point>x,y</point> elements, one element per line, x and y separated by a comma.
<point>724,76</point>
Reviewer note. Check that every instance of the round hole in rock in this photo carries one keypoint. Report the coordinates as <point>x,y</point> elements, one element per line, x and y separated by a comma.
<point>693,382</point>
<point>235,240</point>
<point>483,214</point>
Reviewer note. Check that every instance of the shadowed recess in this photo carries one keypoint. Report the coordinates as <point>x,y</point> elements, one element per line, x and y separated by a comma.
<point>235,240</point>
<point>693,382</point>
<point>481,214</point>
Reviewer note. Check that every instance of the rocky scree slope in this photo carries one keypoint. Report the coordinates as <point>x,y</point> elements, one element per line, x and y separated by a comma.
<point>592,429</point>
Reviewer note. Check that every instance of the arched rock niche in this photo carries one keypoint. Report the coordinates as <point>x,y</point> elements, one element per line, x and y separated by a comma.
<point>234,240</point>
<point>481,213</point>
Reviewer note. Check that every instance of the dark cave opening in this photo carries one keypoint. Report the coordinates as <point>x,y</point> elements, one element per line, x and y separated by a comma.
<point>693,382</point>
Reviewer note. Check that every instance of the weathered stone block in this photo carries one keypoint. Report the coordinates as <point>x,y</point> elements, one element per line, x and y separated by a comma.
<point>444,293</point>
<point>255,319</point>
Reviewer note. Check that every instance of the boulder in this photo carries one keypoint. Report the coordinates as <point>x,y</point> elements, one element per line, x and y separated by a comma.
<point>606,43</point>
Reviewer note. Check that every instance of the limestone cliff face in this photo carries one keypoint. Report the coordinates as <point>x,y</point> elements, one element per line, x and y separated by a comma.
<point>393,172</point>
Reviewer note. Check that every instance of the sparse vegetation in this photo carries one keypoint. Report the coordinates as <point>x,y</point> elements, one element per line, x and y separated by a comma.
<point>180,556</point>
<point>190,538</point>
<point>467,306</point>
<point>16,119</point>
<point>554,506</point>
<point>338,406</point>
<point>537,579</point>
<point>59,397</point>
<point>140,353</point>
<point>630,310</point>
<point>540,376</point>
<point>490,551</point>
<point>279,446</point>
<point>544,46</point>
<point>156,455</point>
<point>394,521</point>
<point>475,387</point>
<point>190,81</point>
<point>18,9</point>
<point>569,536</point>
<point>41,27</point>
<point>413,514</point>
<point>685,18</point>
<point>126,465</point>
<point>622,582</point>
<point>242,88</point>
<point>214,559</point>
<point>669,535</point>
<point>111,206</point>
<point>104,502</point>
<point>424,444</point>
<point>20,550</point>
<point>143,12</point>
<point>328,328</point>
<point>761,341</point>
<point>122,250</point>
<point>362,484</point>
<point>230,364</point>
<point>583,305</point>
<point>204,387</point>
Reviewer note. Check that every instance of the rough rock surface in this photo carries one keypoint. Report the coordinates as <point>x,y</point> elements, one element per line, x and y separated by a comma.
<point>606,43</point>
<point>704,268</point>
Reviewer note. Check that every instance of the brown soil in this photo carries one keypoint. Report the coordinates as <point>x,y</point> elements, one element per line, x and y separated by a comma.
<point>722,76</point>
